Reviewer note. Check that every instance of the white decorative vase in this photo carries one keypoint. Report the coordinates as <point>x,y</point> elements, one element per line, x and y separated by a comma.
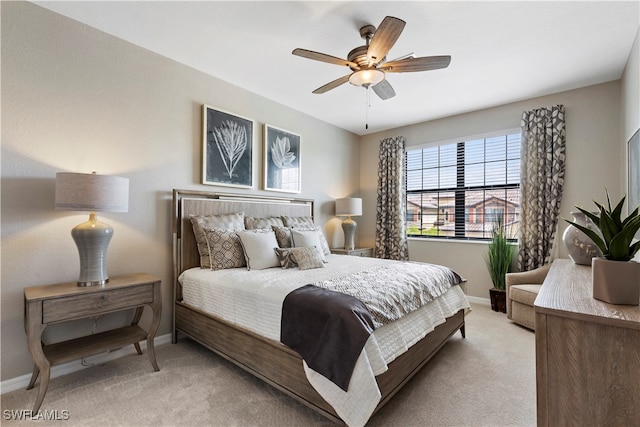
<point>616,282</point>
<point>580,247</point>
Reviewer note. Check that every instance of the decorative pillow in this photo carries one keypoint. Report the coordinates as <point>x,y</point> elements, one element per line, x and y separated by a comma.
<point>324,245</point>
<point>298,221</point>
<point>307,258</point>
<point>283,236</point>
<point>262,223</point>
<point>233,221</point>
<point>225,249</point>
<point>285,258</point>
<point>258,249</point>
<point>308,239</point>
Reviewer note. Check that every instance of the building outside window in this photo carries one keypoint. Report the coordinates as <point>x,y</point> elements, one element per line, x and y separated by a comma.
<point>461,189</point>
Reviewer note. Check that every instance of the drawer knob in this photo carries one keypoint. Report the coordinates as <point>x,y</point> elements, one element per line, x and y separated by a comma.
<point>104,299</point>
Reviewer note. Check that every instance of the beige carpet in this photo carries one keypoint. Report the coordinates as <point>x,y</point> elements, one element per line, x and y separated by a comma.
<point>487,379</point>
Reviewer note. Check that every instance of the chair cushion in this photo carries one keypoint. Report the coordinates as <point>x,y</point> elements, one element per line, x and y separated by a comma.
<point>525,294</point>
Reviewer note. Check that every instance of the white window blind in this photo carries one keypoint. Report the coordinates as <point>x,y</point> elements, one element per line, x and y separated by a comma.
<point>462,189</point>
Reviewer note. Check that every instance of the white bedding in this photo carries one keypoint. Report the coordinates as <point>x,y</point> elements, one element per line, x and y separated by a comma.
<point>253,300</point>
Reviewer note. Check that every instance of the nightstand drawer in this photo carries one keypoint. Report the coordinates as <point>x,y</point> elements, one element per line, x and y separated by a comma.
<point>364,252</point>
<point>368,252</point>
<point>78,306</point>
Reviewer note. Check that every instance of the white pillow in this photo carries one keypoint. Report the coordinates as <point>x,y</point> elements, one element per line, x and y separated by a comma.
<point>324,246</point>
<point>308,239</point>
<point>258,249</point>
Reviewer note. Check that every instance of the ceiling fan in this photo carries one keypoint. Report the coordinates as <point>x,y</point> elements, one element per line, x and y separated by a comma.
<point>367,62</point>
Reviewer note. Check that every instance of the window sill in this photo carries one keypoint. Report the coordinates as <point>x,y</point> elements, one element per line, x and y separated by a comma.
<point>455,241</point>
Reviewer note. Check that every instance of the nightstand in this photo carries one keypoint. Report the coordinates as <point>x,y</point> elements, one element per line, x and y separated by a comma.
<point>366,252</point>
<point>49,304</point>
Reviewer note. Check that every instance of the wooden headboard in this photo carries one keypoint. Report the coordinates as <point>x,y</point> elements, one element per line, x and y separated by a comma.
<point>188,202</point>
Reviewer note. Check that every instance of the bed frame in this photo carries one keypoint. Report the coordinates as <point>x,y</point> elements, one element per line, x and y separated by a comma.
<point>270,360</point>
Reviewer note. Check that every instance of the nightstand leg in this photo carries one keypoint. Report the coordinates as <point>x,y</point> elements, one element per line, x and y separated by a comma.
<point>34,377</point>
<point>156,307</point>
<point>152,354</point>
<point>137,315</point>
<point>42,390</point>
<point>136,319</point>
<point>34,329</point>
<point>137,346</point>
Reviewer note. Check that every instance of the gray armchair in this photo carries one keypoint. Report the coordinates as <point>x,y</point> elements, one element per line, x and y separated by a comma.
<point>522,290</point>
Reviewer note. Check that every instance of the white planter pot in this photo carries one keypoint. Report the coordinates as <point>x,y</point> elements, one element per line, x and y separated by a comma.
<point>616,282</point>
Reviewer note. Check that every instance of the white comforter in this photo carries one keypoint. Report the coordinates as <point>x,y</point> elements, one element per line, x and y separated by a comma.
<point>253,300</point>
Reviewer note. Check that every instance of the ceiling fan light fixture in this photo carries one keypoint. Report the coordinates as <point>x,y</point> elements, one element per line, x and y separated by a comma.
<point>366,78</point>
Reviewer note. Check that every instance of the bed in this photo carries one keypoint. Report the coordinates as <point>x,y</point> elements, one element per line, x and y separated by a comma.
<point>258,351</point>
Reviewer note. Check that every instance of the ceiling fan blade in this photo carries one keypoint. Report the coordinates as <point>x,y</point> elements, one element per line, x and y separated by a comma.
<point>324,58</point>
<point>400,58</point>
<point>384,90</point>
<point>423,63</point>
<point>332,85</point>
<point>384,38</point>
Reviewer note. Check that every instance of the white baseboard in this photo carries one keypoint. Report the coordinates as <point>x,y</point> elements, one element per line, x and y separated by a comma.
<point>69,367</point>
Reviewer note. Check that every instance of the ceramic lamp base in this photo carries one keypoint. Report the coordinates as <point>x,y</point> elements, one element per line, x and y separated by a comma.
<point>349,228</point>
<point>92,239</point>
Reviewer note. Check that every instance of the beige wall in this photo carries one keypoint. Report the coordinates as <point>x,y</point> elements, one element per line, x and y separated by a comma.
<point>593,163</point>
<point>631,92</point>
<point>75,99</point>
<point>630,108</point>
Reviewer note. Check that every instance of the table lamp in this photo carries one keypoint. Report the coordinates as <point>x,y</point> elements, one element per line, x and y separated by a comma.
<point>93,193</point>
<point>349,207</point>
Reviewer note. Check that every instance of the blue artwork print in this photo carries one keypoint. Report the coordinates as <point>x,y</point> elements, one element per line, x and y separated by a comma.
<point>228,141</point>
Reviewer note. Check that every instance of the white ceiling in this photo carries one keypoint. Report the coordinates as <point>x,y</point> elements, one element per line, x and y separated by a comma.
<point>501,51</point>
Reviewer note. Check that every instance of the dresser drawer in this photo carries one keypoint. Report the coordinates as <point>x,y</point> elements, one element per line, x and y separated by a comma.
<point>78,306</point>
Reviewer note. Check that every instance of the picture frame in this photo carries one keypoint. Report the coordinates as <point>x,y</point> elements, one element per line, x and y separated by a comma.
<point>227,148</point>
<point>633,154</point>
<point>282,170</point>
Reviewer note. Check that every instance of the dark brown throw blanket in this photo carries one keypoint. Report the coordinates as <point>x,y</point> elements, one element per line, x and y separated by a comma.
<point>328,329</point>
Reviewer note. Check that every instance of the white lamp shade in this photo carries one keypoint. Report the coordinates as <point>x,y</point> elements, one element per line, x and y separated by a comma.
<point>349,206</point>
<point>91,192</point>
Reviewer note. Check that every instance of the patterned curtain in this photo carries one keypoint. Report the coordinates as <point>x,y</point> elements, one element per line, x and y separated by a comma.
<point>541,182</point>
<point>391,232</point>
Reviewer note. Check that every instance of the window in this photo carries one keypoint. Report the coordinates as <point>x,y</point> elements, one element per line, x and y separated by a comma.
<point>463,189</point>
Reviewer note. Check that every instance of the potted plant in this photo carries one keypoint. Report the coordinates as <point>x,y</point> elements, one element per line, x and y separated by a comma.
<point>498,260</point>
<point>616,278</point>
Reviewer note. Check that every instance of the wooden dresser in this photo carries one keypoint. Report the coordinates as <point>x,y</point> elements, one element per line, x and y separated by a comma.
<point>587,353</point>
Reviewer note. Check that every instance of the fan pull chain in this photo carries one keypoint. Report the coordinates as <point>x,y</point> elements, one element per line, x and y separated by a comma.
<point>367,102</point>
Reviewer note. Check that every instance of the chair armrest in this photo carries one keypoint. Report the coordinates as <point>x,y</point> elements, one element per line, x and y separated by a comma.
<point>532,277</point>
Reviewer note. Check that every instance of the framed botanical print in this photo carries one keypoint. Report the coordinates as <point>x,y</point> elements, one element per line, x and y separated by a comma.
<point>281,160</point>
<point>227,148</point>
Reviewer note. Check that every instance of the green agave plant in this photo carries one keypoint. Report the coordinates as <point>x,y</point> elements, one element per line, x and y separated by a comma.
<point>616,239</point>
<point>499,255</point>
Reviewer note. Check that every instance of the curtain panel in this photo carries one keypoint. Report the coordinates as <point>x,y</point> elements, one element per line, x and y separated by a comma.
<point>541,183</point>
<point>391,231</point>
